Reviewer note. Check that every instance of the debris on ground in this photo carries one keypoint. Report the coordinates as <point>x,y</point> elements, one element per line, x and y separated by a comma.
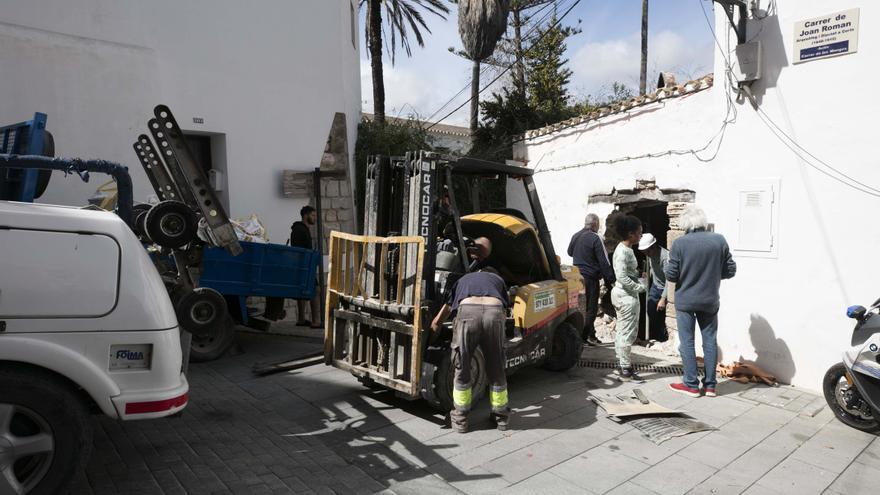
<point>621,407</point>
<point>658,423</point>
<point>660,429</point>
<point>743,372</point>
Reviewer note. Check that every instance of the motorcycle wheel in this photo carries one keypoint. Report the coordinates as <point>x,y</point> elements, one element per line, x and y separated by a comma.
<point>837,392</point>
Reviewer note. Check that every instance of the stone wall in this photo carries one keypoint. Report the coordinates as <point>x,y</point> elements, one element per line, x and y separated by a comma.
<point>674,210</point>
<point>337,198</point>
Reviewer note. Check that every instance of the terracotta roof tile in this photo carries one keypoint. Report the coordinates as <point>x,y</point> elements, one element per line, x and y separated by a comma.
<point>687,88</point>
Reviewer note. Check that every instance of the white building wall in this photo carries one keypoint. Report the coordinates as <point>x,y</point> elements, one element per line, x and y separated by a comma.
<point>784,308</point>
<point>266,77</point>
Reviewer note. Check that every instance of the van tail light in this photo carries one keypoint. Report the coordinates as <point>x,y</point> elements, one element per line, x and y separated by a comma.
<point>156,405</point>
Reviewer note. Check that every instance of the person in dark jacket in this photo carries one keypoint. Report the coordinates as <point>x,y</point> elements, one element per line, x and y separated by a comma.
<point>698,262</point>
<point>588,251</point>
<point>301,237</point>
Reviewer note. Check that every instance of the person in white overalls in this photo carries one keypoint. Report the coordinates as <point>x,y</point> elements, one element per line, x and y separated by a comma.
<point>625,294</point>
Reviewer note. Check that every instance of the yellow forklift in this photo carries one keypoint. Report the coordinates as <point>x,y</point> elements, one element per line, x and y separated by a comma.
<point>385,286</point>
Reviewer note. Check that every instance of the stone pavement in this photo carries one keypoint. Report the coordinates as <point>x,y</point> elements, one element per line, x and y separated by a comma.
<point>317,430</point>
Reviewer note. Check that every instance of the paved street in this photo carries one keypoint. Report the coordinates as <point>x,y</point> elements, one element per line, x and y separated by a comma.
<point>317,430</point>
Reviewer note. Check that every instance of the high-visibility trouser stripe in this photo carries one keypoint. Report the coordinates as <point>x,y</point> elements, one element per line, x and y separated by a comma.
<point>498,398</point>
<point>462,397</point>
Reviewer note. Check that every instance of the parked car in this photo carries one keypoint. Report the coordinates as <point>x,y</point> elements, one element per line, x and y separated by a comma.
<point>86,325</point>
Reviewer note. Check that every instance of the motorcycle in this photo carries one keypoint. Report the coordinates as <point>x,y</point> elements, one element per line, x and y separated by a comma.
<point>852,387</point>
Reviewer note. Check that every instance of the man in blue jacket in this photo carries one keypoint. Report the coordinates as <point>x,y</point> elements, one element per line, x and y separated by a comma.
<point>588,252</point>
<point>698,261</point>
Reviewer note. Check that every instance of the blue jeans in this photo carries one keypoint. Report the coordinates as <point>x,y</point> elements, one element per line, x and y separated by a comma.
<point>656,319</point>
<point>708,321</point>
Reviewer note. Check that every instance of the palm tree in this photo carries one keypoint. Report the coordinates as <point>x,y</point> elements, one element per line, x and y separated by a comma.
<point>403,18</point>
<point>643,75</point>
<point>481,23</point>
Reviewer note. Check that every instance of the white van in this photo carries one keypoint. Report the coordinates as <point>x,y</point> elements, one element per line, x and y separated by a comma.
<point>86,325</point>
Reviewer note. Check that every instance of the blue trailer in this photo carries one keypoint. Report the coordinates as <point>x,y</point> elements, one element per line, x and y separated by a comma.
<point>264,270</point>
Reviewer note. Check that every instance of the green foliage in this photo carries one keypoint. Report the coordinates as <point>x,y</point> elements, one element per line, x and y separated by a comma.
<point>510,113</point>
<point>548,75</point>
<point>394,137</point>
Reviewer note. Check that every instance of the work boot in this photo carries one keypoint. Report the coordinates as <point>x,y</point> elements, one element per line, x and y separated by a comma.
<point>501,421</point>
<point>458,422</point>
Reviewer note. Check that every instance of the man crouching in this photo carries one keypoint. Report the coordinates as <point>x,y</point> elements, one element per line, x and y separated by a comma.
<point>479,301</point>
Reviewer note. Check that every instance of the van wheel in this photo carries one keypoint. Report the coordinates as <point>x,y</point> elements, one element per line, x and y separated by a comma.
<point>440,378</point>
<point>566,348</point>
<point>211,347</point>
<point>45,433</point>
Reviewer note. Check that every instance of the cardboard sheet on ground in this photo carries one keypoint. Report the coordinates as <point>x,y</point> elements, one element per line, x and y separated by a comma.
<point>658,423</point>
<point>633,408</point>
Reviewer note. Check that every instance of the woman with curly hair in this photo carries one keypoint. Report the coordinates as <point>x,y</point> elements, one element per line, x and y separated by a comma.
<point>625,294</point>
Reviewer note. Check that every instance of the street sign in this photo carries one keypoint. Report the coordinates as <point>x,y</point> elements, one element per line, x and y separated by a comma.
<point>826,36</point>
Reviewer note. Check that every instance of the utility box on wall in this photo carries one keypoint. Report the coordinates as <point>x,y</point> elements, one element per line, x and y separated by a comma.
<point>757,218</point>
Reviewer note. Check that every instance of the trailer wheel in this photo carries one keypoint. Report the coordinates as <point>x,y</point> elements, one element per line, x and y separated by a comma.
<point>201,312</point>
<point>209,348</point>
<point>438,380</point>
<point>139,216</point>
<point>171,224</point>
<point>566,348</point>
<point>45,433</point>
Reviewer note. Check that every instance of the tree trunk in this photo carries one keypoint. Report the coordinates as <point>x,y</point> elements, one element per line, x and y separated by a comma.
<point>374,17</point>
<point>475,96</point>
<point>519,78</point>
<point>643,76</point>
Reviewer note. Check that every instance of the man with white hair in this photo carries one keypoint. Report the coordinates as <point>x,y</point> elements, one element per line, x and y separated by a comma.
<point>698,261</point>
<point>588,251</point>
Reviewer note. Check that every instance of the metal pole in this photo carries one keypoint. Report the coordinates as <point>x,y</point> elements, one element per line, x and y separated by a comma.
<point>319,232</point>
<point>79,166</point>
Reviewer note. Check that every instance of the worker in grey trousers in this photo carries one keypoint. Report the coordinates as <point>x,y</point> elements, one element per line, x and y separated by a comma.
<point>479,301</point>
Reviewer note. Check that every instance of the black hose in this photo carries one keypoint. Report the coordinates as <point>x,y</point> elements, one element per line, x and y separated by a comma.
<point>125,195</point>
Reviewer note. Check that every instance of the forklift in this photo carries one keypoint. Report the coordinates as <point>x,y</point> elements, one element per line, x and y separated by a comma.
<point>385,286</point>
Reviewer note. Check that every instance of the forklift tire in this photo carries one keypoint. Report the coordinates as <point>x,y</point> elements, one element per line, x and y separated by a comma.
<point>201,312</point>
<point>566,348</point>
<point>171,224</point>
<point>212,347</point>
<point>438,381</point>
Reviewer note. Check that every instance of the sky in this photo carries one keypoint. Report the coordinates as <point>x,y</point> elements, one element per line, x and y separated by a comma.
<point>606,50</point>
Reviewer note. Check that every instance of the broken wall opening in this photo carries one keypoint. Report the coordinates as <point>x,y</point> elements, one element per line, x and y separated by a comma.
<point>659,210</point>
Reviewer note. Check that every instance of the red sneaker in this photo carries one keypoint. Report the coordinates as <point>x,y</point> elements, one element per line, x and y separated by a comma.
<point>709,392</point>
<point>684,389</point>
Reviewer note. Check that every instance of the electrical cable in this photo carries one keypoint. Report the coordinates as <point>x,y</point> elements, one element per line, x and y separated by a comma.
<point>558,21</point>
<point>729,118</point>
<point>486,68</point>
<point>778,132</point>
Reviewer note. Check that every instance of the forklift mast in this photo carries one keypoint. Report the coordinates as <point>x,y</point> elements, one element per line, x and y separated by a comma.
<point>400,199</point>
